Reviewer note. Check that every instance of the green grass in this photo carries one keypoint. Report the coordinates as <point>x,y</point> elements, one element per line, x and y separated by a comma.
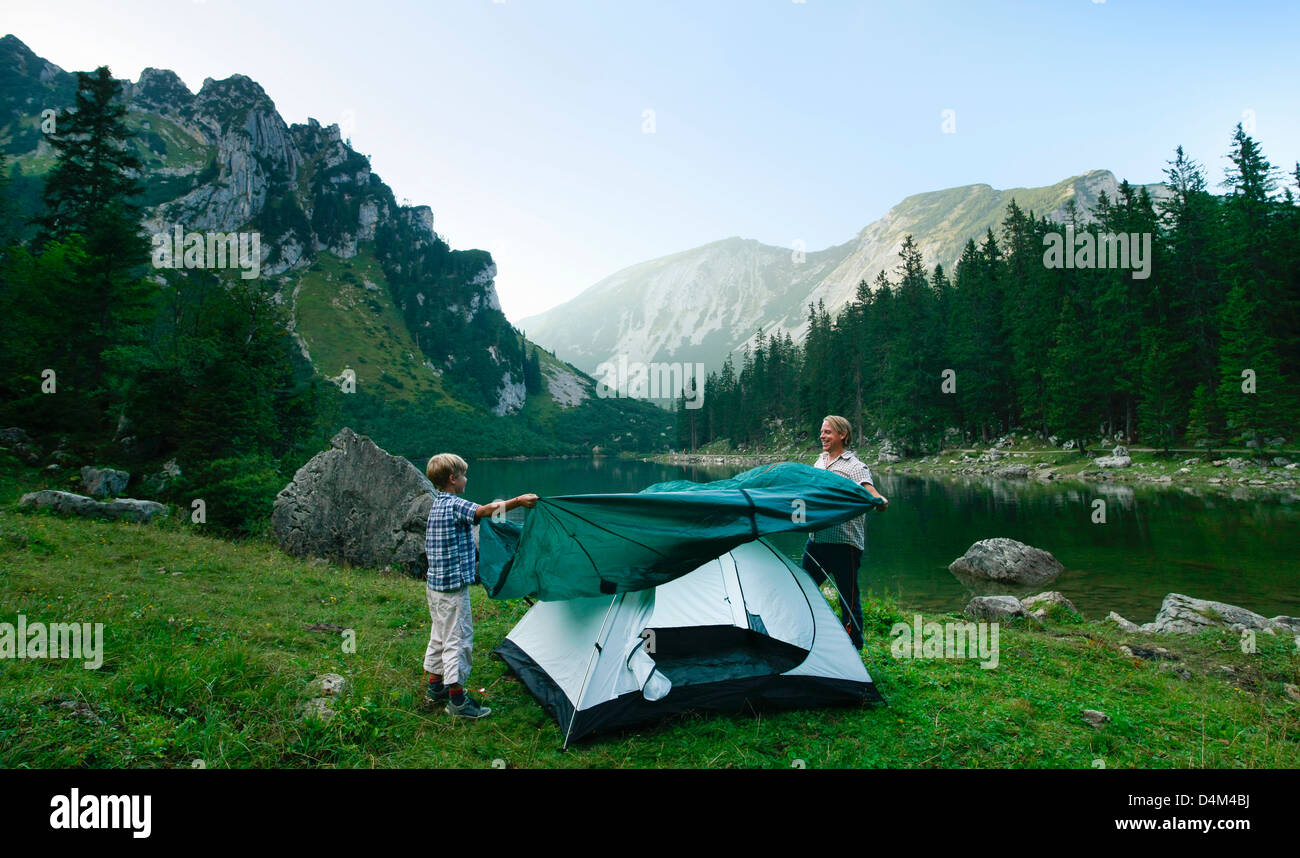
<point>208,657</point>
<point>346,325</point>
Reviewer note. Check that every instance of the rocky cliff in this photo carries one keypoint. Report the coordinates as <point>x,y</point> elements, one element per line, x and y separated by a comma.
<point>224,160</point>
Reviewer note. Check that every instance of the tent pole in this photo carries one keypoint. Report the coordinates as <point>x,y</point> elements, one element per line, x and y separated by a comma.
<point>595,650</point>
<point>843,601</point>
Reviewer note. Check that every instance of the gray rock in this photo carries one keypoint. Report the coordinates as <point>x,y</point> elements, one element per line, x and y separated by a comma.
<point>1119,451</point>
<point>1037,606</point>
<point>1125,625</point>
<point>994,608</point>
<point>355,502</point>
<point>1012,471</point>
<point>13,436</point>
<point>104,482</point>
<point>888,454</point>
<point>318,708</point>
<point>1281,461</point>
<point>1095,718</point>
<point>1291,691</point>
<point>1112,461</point>
<point>129,509</point>
<point>1182,615</point>
<point>1006,561</point>
<point>329,685</point>
<point>1286,624</point>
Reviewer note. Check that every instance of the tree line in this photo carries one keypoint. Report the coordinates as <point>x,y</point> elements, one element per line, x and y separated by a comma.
<point>126,364</point>
<point>1204,351</point>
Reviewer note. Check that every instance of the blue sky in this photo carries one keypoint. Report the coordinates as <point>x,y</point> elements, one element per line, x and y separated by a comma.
<point>523,123</point>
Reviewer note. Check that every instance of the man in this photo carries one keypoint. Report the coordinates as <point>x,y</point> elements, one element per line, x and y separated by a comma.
<point>837,550</point>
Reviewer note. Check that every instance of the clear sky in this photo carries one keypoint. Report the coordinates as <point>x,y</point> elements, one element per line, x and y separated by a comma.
<point>523,123</point>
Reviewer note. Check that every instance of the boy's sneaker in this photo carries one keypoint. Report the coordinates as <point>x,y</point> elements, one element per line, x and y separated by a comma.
<point>436,691</point>
<point>468,709</point>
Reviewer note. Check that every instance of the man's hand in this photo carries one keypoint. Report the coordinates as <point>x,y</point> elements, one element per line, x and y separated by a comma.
<point>529,500</point>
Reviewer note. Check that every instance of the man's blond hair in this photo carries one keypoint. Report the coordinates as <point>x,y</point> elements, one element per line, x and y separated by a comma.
<point>443,467</point>
<point>839,424</point>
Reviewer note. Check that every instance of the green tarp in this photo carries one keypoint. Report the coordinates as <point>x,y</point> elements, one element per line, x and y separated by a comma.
<point>587,545</point>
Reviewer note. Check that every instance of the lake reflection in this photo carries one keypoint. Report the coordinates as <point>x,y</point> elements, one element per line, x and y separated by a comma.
<point>1240,549</point>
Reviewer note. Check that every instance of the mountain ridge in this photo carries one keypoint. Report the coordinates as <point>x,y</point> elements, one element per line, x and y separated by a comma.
<point>665,309</point>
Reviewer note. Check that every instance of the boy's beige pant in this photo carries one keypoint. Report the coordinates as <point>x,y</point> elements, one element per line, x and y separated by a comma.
<point>451,640</point>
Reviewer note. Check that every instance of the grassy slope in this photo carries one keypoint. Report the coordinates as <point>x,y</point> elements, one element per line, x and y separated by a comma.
<point>207,657</point>
<point>346,325</point>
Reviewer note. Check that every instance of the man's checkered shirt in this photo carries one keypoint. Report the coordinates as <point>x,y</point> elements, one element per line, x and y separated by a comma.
<point>854,531</point>
<point>449,542</point>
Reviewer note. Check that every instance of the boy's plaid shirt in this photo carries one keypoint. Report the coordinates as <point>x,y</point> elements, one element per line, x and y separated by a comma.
<point>449,542</point>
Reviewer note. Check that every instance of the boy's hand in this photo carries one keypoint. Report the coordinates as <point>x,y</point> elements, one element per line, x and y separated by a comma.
<point>529,500</point>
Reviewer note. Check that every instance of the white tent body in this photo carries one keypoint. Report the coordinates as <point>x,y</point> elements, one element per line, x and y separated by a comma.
<point>749,626</point>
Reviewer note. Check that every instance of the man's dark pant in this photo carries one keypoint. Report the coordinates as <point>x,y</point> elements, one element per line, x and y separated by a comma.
<point>841,563</point>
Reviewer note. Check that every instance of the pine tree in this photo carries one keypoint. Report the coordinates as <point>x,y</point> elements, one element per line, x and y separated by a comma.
<point>90,193</point>
<point>1162,408</point>
<point>1191,283</point>
<point>1252,393</point>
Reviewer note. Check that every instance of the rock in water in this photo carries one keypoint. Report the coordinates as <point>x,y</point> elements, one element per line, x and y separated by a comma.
<point>1006,561</point>
<point>355,502</point>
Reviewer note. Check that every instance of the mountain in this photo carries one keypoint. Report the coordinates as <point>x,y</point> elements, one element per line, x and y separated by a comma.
<point>371,287</point>
<point>702,304</point>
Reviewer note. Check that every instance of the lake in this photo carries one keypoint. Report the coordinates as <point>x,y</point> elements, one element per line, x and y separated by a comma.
<point>1241,548</point>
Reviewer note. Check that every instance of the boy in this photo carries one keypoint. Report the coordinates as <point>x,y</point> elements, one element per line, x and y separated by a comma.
<point>449,542</point>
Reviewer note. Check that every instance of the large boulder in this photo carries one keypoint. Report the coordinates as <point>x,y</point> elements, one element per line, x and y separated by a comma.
<point>1182,615</point>
<point>1006,561</point>
<point>357,503</point>
<point>104,482</point>
<point>130,509</point>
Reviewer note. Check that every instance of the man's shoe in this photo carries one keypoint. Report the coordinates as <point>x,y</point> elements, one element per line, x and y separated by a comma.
<point>436,691</point>
<point>468,709</point>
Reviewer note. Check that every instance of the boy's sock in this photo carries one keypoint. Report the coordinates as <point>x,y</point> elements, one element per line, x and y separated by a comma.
<point>457,693</point>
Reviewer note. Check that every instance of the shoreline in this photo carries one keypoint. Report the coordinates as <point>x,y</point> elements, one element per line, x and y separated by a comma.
<point>1179,469</point>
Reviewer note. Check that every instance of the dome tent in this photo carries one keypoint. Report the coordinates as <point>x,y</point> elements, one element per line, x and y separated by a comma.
<point>668,600</point>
